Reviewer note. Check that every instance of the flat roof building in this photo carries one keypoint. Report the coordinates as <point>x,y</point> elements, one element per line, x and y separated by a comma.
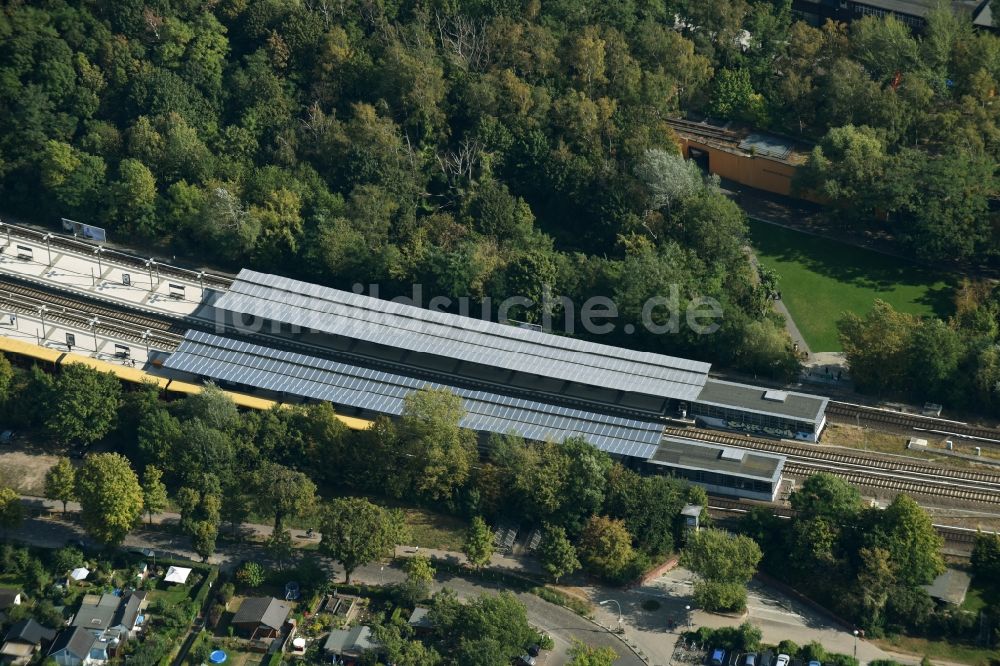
<point>286,338</point>
<point>721,469</point>
<point>757,410</point>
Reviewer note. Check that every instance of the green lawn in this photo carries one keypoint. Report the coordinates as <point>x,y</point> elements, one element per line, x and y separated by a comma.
<point>820,279</point>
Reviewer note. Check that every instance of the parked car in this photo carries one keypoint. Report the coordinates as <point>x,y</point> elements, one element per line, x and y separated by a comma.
<point>718,657</point>
<point>750,660</point>
<point>815,663</point>
<point>7,437</point>
<point>534,650</point>
<point>783,660</point>
<point>526,660</point>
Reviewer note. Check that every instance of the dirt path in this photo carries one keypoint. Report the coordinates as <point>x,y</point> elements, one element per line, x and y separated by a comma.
<point>25,471</point>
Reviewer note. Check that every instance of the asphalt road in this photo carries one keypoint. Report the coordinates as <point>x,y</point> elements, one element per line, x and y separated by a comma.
<point>563,625</point>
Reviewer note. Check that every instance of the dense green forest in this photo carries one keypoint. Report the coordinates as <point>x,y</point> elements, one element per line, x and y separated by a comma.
<point>489,147</point>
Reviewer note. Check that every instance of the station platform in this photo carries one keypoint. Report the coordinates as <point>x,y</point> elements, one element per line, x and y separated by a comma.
<point>108,348</point>
<point>98,275</point>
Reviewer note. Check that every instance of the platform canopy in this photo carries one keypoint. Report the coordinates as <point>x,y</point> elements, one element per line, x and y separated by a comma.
<point>414,329</point>
<point>379,391</point>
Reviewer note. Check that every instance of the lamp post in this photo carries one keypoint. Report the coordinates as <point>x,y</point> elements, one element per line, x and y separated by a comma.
<point>145,337</point>
<point>151,264</point>
<point>855,645</point>
<point>201,281</point>
<point>48,245</point>
<point>100,269</point>
<point>6,227</point>
<point>687,616</point>
<point>41,314</point>
<point>621,625</point>
<point>93,329</point>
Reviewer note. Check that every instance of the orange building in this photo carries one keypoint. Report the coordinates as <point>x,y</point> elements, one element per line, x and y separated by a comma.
<point>763,161</point>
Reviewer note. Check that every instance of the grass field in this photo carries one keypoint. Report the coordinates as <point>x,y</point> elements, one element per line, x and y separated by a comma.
<point>820,279</point>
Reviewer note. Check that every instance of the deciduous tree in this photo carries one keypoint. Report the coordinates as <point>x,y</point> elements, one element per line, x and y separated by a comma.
<point>605,546</point>
<point>11,510</point>
<point>557,554</point>
<point>110,497</point>
<point>356,532</point>
<point>478,546</point>
<point>85,405</point>
<point>154,492</point>
<point>282,492</point>
<point>442,452</point>
<point>60,482</point>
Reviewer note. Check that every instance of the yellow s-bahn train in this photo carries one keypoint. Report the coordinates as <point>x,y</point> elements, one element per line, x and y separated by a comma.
<point>54,358</point>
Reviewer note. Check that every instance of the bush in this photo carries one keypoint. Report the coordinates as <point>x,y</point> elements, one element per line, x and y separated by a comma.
<point>251,575</point>
<point>813,652</point>
<point>841,660</point>
<point>200,649</point>
<point>788,647</point>
<point>214,615</point>
<point>720,597</point>
<point>46,613</point>
<point>745,637</point>
<point>578,606</point>
<point>66,559</point>
<point>226,593</point>
<point>206,586</point>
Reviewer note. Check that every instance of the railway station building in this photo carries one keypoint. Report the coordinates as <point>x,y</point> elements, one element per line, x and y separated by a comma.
<point>365,355</point>
<point>758,411</point>
<point>720,469</point>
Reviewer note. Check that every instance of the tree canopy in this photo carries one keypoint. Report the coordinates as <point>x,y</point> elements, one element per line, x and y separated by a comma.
<point>356,532</point>
<point>110,497</point>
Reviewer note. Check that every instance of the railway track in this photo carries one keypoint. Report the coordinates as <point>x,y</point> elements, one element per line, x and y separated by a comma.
<point>873,472</point>
<point>948,532</point>
<point>851,413</point>
<point>122,324</point>
<point>704,130</point>
<point>893,481</point>
<point>812,452</point>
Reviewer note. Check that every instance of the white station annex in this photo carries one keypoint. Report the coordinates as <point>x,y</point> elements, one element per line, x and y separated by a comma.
<point>365,355</point>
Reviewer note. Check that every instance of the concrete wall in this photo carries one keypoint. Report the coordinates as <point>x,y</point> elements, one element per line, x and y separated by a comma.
<point>751,170</point>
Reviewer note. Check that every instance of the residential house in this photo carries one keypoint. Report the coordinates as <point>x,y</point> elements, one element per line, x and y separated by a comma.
<point>350,645</point>
<point>97,612</point>
<point>105,618</point>
<point>260,618</point>
<point>23,640</point>
<point>129,617</point>
<point>79,647</point>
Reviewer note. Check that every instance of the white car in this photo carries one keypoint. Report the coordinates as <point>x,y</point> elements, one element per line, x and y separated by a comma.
<point>783,660</point>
